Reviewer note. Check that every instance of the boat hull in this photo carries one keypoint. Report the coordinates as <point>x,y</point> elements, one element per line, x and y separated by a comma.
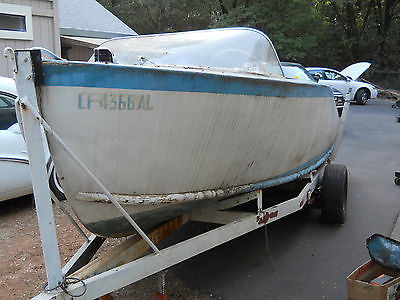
<point>149,134</point>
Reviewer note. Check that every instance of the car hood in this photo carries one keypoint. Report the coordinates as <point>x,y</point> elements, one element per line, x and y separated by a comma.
<point>355,70</point>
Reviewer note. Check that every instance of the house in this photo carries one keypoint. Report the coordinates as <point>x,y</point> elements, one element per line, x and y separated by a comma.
<point>28,23</point>
<point>85,25</point>
<point>68,28</point>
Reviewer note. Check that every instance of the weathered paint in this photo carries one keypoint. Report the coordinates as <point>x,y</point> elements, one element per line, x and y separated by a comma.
<point>111,76</point>
<point>208,194</point>
<point>293,174</point>
<point>206,133</point>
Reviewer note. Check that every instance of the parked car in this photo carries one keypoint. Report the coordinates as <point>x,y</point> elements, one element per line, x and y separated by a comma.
<point>8,93</point>
<point>15,177</point>
<point>297,71</point>
<point>347,81</point>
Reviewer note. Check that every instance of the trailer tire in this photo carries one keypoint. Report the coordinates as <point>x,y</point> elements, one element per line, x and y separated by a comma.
<point>334,194</point>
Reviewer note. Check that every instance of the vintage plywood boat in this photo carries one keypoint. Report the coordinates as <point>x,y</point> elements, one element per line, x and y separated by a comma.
<point>171,122</point>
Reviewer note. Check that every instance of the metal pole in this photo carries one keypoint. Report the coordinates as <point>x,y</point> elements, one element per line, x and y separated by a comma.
<point>33,136</point>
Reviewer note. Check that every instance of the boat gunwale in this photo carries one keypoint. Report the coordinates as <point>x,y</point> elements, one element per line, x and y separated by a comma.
<point>99,75</point>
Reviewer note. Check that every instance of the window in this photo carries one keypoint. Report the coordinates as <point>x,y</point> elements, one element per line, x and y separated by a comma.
<point>3,103</point>
<point>6,101</point>
<point>7,112</point>
<point>320,73</point>
<point>12,22</point>
<point>294,72</point>
<point>334,76</point>
<point>15,22</point>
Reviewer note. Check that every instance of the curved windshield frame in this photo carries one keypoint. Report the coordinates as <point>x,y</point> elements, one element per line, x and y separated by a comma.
<point>237,49</point>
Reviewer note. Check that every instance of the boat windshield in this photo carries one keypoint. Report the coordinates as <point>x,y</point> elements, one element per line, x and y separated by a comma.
<point>235,49</point>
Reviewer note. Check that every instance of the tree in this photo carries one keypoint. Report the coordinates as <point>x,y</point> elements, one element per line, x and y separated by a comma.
<point>386,13</point>
<point>157,16</point>
<point>365,25</point>
<point>332,33</point>
<point>370,31</point>
<point>292,26</point>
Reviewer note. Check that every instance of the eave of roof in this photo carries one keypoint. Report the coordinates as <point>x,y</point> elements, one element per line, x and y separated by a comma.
<point>90,19</point>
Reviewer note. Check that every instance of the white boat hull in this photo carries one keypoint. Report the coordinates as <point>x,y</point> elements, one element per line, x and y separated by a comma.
<point>162,151</point>
<point>171,122</point>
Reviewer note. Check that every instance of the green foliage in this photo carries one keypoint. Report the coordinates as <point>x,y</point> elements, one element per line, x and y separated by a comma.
<point>291,26</point>
<point>156,16</point>
<point>369,30</point>
<point>331,33</point>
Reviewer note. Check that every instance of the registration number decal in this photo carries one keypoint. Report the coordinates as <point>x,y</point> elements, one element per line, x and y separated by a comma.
<point>131,102</point>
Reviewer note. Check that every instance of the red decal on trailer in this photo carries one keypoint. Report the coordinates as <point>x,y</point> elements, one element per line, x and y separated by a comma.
<point>263,219</point>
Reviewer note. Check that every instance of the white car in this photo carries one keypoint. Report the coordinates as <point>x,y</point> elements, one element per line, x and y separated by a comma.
<point>298,72</point>
<point>346,81</point>
<point>8,94</point>
<point>15,176</point>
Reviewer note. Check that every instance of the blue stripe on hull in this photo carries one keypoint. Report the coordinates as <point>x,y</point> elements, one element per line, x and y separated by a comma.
<point>292,175</point>
<point>137,78</point>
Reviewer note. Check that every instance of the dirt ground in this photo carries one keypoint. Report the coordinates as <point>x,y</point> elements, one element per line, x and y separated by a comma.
<point>22,271</point>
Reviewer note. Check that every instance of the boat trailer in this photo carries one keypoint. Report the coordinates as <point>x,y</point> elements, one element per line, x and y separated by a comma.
<point>128,262</point>
<point>86,278</point>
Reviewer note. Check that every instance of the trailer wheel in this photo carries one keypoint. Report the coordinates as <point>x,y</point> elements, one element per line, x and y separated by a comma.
<point>334,194</point>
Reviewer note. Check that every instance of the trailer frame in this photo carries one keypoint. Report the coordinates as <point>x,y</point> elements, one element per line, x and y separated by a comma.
<point>105,274</point>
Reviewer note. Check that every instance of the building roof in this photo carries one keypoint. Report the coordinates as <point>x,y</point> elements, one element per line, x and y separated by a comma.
<point>89,18</point>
